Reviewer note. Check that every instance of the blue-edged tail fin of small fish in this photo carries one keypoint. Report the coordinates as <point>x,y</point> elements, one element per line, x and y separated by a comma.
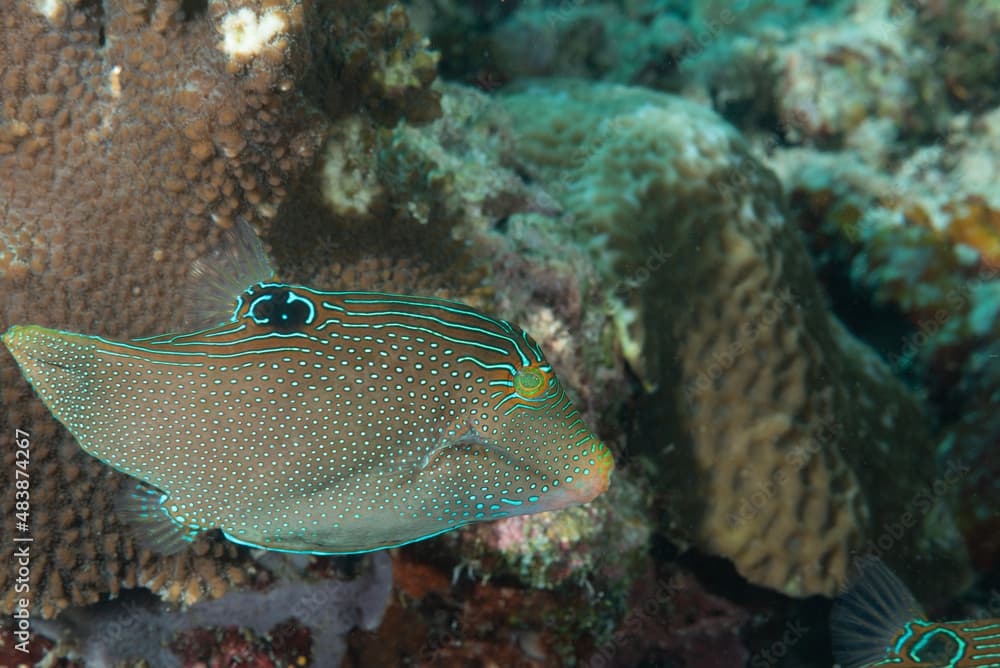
<point>216,280</point>
<point>877,622</point>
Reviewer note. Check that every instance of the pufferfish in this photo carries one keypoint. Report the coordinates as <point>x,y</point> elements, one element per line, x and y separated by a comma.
<point>300,420</point>
<point>877,622</point>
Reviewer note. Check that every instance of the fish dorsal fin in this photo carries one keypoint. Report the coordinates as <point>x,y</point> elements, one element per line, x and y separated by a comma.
<point>218,278</point>
<point>145,510</point>
<point>869,615</point>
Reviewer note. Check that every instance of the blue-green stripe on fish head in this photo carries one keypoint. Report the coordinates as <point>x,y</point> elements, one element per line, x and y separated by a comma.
<point>323,422</point>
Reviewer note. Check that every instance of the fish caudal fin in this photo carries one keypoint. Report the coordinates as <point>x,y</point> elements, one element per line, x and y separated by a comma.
<point>146,511</point>
<point>869,615</point>
<point>59,365</point>
<point>217,279</point>
<point>65,370</point>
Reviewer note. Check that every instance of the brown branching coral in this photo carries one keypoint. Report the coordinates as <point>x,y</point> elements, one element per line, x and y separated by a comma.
<point>127,130</point>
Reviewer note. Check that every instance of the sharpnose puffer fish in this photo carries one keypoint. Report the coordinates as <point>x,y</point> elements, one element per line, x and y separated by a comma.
<point>318,422</point>
<point>877,622</point>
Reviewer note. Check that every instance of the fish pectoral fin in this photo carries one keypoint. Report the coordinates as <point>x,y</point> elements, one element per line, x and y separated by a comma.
<point>463,437</point>
<point>147,512</point>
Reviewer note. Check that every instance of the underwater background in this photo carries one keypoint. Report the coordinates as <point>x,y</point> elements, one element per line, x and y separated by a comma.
<point>759,242</point>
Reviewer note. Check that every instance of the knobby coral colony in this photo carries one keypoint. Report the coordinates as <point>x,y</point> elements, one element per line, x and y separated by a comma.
<point>318,422</point>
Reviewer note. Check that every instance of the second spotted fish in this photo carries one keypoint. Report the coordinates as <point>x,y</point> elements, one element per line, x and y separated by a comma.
<point>877,623</point>
<point>321,422</point>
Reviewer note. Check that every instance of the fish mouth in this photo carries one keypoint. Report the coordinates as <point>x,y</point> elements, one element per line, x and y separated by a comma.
<point>586,488</point>
<point>582,488</point>
<point>577,493</point>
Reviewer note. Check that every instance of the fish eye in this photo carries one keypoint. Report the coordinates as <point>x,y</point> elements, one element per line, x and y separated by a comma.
<point>530,381</point>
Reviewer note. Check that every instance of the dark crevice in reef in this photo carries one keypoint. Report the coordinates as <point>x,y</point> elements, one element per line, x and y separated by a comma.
<point>882,326</point>
<point>192,8</point>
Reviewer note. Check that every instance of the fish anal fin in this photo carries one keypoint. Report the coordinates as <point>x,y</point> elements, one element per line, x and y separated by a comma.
<point>146,511</point>
<point>278,544</point>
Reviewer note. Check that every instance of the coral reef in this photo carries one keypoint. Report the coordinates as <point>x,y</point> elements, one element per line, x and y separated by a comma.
<point>408,209</point>
<point>372,62</point>
<point>921,236</point>
<point>672,619</point>
<point>919,239</point>
<point>903,219</point>
<point>126,129</point>
<point>438,620</point>
<point>973,437</point>
<point>784,434</point>
<point>826,75</point>
<point>962,36</point>
<point>446,175</point>
<point>142,628</point>
<point>602,41</point>
<point>833,78</point>
<point>641,239</point>
<point>460,31</point>
<point>550,550</point>
<point>669,617</point>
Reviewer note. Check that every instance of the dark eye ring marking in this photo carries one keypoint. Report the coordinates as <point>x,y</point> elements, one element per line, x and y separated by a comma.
<point>283,310</point>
